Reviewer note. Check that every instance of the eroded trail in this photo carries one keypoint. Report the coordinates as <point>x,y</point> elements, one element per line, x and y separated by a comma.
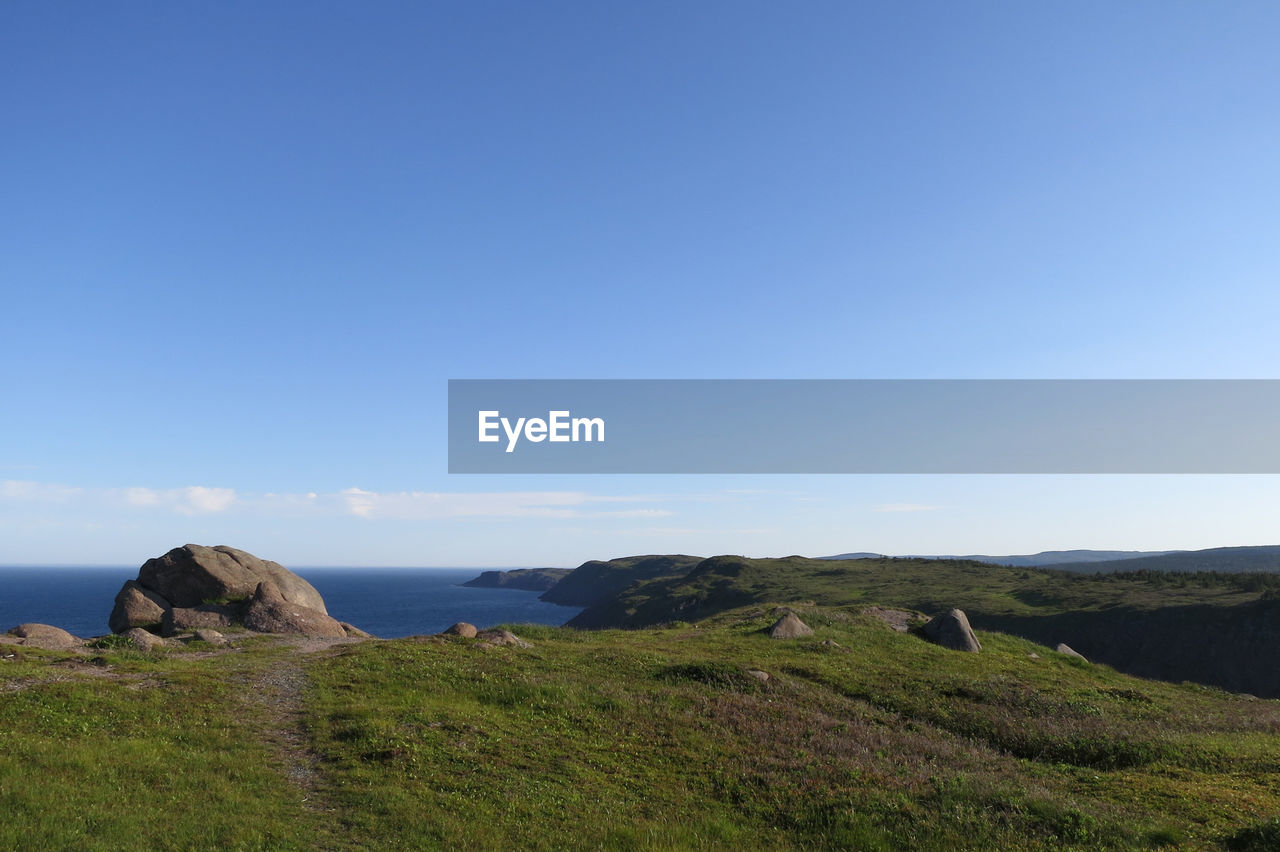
<point>275,698</point>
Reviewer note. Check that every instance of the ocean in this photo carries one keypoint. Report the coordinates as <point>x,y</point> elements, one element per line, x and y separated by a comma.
<point>387,602</point>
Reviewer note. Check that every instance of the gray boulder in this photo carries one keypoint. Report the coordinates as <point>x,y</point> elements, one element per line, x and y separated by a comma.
<point>136,607</point>
<point>790,627</point>
<point>270,612</point>
<point>213,637</point>
<point>463,629</point>
<point>951,630</point>
<point>45,636</point>
<point>502,637</point>
<point>1064,648</point>
<point>188,576</point>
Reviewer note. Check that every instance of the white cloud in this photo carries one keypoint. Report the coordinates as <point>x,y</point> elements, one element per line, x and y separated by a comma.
<point>358,502</point>
<point>198,500</point>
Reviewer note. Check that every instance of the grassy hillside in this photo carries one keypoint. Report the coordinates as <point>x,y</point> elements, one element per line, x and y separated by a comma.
<point>596,581</point>
<point>1215,629</point>
<point>649,739</point>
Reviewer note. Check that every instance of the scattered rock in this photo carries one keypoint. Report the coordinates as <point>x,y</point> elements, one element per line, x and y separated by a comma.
<point>952,630</point>
<point>190,575</point>
<point>143,640</point>
<point>789,627</point>
<point>463,629</point>
<point>763,677</point>
<point>502,637</point>
<point>213,637</point>
<point>354,632</point>
<point>45,636</point>
<point>1064,648</point>
<point>1032,655</point>
<point>136,607</point>
<point>270,612</point>
<point>830,643</point>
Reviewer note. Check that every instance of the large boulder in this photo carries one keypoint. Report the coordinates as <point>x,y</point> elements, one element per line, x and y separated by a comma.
<point>190,575</point>
<point>790,627</point>
<point>951,630</point>
<point>270,612</point>
<point>136,607</point>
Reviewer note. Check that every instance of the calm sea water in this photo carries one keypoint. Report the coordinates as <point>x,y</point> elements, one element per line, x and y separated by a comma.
<point>387,602</point>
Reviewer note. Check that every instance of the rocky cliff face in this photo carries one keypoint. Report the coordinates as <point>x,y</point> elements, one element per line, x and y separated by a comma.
<point>526,579</point>
<point>1229,647</point>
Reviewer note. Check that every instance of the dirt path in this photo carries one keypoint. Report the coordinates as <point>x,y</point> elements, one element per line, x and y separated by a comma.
<point>275,696</point>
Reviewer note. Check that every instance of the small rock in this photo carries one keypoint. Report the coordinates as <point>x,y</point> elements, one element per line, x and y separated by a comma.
<point>789,627</point>
<point>213,637</point>
<point>143,640</point>
<point>763,677</point>
<point>463,629</point>
<point>1064,648</point>
<point>1033,656</point>
<point>830,643</point>
<point>354,632</point>
<point>502,637</point>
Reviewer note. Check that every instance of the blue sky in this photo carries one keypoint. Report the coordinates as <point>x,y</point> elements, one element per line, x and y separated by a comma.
<point>243,247</point>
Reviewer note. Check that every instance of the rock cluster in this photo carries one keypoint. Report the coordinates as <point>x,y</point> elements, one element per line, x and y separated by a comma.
<point>194,588</point>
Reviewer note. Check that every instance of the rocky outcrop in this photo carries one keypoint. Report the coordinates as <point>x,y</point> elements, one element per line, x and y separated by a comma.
<point>270,612</point>
<point>790,627</point>
<point>190,575</point>
<point>463,629</point>
<point>45,636</point>
<point>195,587</point>
<point>951,630</point>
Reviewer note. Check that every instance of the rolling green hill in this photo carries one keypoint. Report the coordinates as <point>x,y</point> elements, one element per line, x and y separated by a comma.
<point>1213,629</point>
<point>858,738</point>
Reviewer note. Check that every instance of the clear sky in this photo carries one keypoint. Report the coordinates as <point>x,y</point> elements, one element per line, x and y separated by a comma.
<point>243,247</point>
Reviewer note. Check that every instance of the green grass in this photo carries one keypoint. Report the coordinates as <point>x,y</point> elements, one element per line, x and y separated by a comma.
<point>636,739</point>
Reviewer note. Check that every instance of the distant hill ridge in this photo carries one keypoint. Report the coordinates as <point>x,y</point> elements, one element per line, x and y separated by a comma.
<point>1228,560</point>
<point>1031,560</point>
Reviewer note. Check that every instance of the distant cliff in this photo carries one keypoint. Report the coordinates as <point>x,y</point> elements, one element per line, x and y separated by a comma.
<point>525,579</point>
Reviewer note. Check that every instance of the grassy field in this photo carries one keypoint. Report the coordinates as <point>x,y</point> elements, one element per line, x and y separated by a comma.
<point>643,739</point>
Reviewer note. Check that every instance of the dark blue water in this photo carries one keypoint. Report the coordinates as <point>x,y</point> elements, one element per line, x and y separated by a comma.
<point>387,602</point>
